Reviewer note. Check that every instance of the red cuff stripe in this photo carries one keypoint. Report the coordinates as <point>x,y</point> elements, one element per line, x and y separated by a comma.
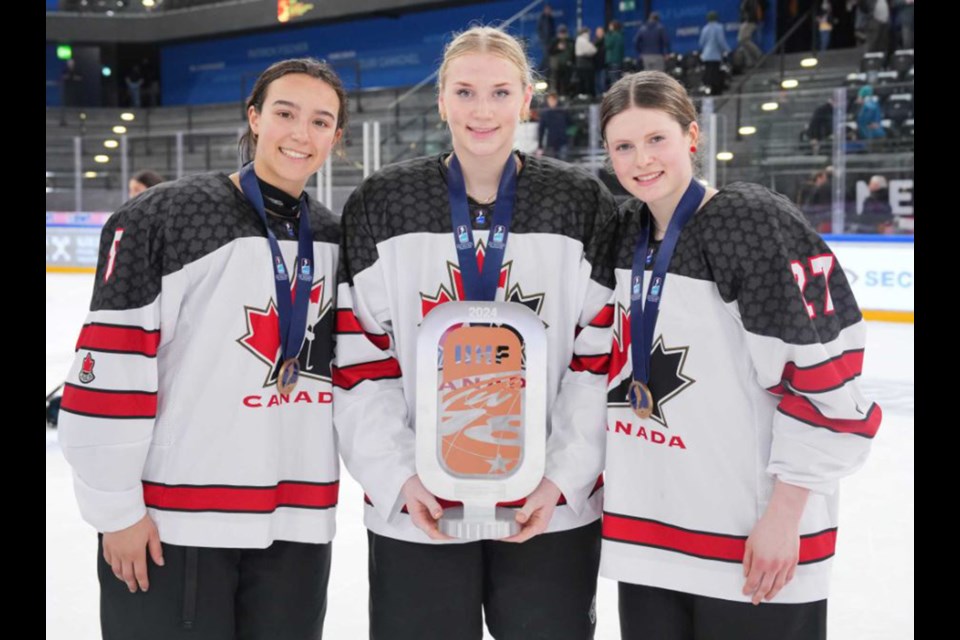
<point>348,323</point>
<point>109,404</point>
<point>599,365</point>
<point>801,409</point>
<point>241,499</point>
<point>832,374</point>
<point>100,337</point>
<point>700,544</point>
<point>349,377</point>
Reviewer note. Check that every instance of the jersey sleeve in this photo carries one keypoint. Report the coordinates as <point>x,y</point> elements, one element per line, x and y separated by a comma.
<point>110,398</point>
<point>575,446</point>
<point>377,442</point>
<point>805,336</point>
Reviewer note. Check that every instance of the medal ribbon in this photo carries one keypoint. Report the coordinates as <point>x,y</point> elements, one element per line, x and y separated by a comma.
<point>292,313</point>
<point>643,317</point>
<point>477,285</point>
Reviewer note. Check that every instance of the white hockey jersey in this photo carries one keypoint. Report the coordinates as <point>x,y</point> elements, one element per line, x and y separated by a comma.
<point>171,407</point>
<point>398,261</point>
<point>754,367</point>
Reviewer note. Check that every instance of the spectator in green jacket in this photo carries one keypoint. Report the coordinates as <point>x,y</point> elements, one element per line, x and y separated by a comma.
<point>614,51</point>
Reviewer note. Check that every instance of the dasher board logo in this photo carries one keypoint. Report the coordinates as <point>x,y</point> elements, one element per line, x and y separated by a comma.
<point>481,395</point>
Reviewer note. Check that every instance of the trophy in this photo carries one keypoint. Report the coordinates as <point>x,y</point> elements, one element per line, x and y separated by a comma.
<point>481,412</point>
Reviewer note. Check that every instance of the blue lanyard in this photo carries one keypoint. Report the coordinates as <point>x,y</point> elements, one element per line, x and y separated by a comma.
<point>477,285</point>
<point>643,317</point>
<point>292,313</point>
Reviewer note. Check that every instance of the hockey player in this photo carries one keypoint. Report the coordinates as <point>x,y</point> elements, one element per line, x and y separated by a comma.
<point>734,407</point>
<point>196,417</point>
<point>399,261</point>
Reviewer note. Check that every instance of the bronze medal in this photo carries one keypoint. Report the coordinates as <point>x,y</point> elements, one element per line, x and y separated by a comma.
<point>288,376</point>
<point>641,400</point>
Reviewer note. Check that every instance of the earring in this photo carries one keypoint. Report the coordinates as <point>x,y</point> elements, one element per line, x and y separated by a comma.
<point>693,148</point>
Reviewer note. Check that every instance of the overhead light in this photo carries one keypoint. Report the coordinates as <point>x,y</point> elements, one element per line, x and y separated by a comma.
<point>111,144</point>
<point>90,174</point>
<point>540,86</point>
<point>119,129</point>
<point>149,4</point>
<point>49,189</point>
<point>770,106</point>
<point>789,84</point>
<point>747,130</point>
<point>64,52</point>
<point>102,159</point>
<point>127,116</point>
<point>725,156</point>
<point>808,62</point>
<point>83,116</point>
<point>106,71</point>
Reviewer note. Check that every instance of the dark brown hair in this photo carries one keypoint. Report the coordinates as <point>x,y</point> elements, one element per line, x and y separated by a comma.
<point>648,90</point>
<point>148,178</point>
<point>309,66</point>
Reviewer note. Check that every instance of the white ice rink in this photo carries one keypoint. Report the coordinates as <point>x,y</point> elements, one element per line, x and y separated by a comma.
<point>872,589</point>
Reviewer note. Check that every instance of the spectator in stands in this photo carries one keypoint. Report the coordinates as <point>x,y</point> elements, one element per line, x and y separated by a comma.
<point>878,27</point>
<point>815,200</point>
<point>561,60</point>
<point>72,84</point>
<point>134,82</point>
<point>614,51</point>
<point>751,16</point>
<point>825,24</point>
<point>821,125</point>
<point>552,130</point>
<point>600,62</point>
<point>870,116</point>
<point>877,214</point>
<point>143,180</point>
<point>651,43</point>
<point>713,46</point>
<point>585,53</point>
<point>904,9</point>
<point>546,28</point>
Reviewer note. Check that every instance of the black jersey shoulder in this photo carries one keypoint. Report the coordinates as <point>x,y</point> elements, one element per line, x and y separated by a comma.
<point>412,197</point>
<point>756,245</point>
<point>176,223</point>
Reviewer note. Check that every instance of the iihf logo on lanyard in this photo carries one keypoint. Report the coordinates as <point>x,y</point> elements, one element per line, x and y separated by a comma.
<point>305,270</point>
<point>496,238</point>
<point>281,271</point>
<point>637,290</point>
<point>463,237</point>
<point>655,289</point>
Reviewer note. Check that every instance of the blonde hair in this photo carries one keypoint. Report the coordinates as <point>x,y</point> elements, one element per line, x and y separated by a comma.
<point>480,39</point>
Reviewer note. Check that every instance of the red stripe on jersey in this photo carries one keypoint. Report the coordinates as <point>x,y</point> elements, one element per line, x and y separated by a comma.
<point>594,364</point>
<point>702,544</point>
<point>349,377</point>
<point>109,404</point>
<point>106,337</point>
<point>832,374</point>
<point>603,319</point>
<point>348,323</point>
<point>562,500</point>
<point>801,409</point>
<point>241,499</point>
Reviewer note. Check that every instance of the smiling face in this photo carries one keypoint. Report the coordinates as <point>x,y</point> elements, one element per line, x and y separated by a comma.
<point>296,129</point>
<point>650,153</point>
<point>482,99</point>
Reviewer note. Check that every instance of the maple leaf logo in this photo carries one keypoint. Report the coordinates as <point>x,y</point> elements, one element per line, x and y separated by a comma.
<point>262,338</point>
<point>455,290</point>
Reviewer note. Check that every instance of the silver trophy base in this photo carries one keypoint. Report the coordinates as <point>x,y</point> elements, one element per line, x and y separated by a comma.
<point>453,524</point>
